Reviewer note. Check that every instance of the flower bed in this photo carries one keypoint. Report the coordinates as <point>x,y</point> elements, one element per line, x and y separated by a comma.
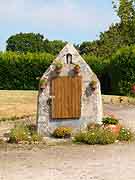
<point>22,133</point>
<point>108,132</point>
<point>103,136</point>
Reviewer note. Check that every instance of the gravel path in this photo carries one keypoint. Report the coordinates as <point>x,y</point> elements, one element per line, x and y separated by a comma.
<point>76,162</point>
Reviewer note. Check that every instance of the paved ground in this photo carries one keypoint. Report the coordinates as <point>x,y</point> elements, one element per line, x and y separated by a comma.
<point>73,162</point>
<point>77,162</point>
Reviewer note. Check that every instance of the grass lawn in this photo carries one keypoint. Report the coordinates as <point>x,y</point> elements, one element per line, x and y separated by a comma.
<point>17,103</point>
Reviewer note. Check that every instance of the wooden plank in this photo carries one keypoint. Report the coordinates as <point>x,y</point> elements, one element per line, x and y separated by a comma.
<point>67,101</point>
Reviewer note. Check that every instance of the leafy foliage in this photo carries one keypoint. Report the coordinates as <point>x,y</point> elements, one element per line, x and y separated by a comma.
<point>24,133</point>
<point>19,133</point>
<point>125,135</point>
<point>109,41</point>
<point>20,71</point>
<point>53,47</point>
<point>122,70</point>
<point>93,125</point>
<point>119,68</point>
<point>58,64</point>
<point>62,132</point>
<point>96,136</point>
<point>99,65</point>
<point>31,42</point>
<point>118,35</point>
<point>110,120</point>
<point>43,81</point>
<point>99,135</point>
<point>111,56</point>
<point>25,42</point>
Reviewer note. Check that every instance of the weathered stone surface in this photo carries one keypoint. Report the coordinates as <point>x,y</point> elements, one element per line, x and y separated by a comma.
<point>91,101</point>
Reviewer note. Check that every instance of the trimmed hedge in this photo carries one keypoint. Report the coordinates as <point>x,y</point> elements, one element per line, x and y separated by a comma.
<point>20,71</point>
<point>98,64</point>
<point>101,67</point>
<point>117,74</point>
<point>122,68</point>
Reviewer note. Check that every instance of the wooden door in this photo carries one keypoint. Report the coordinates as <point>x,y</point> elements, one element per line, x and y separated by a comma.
<point>66,103</point>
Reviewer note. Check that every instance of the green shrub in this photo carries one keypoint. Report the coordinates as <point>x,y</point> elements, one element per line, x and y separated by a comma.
<point>93,125</point>
<point>62,132</point>
<point>125,135</point>
<point>22,133</point>
<point>96,136</point>
<point>92,137</point>
<point>22,71</point>
<point>122,70</point>
<point>58,64</point>
<point>99,65</point>
<point>36,137</point>
<point>106,137</point>
<point>118,71</point>
<point>19,133</point>
<point>110,120</point>
<point>79,137</point>
<point>32,128</point>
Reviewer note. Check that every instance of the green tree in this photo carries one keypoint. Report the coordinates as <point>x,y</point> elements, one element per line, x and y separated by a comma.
<point>118,35</point>
<point>88,48</point>
<point>53,47</point>
<point>107,44</point>
<point>31,42</point>
<point>122,68</point>
<point>126,12</point>
<point>26,42</point>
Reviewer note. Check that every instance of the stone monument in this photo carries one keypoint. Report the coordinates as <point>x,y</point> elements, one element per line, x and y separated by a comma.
<point>69,94</point>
